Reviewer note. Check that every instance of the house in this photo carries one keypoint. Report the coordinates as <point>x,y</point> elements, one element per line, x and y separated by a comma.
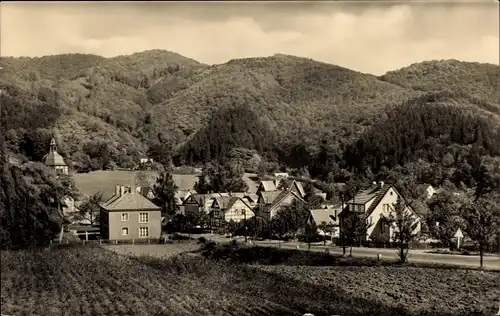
<point>146,192</point>
<point>181,196</point>
<point>377,202</point>
<point>294,186</point>
<point>128,214</point>
<point>281,175</point>
<point>271,202</point>
<point>251,199</point>
<point>225,209</point>
<point>266,186</point>
<point>427,189</point>
<point>190,204</point>
<point>330,217</point>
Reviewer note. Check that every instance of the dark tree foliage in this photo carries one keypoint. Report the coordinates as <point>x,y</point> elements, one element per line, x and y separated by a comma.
<point>228,128</point>
<point>164,191</point>
<point>408,132</point>
<point>29,210</point>
<point>221,177</point>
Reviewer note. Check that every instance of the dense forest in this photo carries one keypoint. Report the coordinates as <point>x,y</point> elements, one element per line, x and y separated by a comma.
<point>280,112</point>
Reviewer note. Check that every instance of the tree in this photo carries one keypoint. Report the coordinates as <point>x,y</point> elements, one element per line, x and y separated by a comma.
<point>164,191</point>
<point>291,218</point>
<point>404,223</point>
<point>482,220</point>
<point>354,227</point>
<point>325,228</point>
<point>29,210</point>
<point>90,208</point>
<point>142,179</point>
<point>442,220</point>
<point>221,177</point>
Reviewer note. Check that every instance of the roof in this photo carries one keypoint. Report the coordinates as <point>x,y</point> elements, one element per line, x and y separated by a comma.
<point>289,183</point>
<point>145,190</point>
<point>369,194</point>
<point>252,197</point>
<point>53,158</point>
<point>223,201</point>
<point>269,197</point>
<point>131,201</point>
<point>238,194</point>
<point>268,185</point>
<point>283,195</point>
<point>324,215</point>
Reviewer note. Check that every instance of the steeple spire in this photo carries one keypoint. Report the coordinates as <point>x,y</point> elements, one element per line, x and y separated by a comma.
<point>53,146</point>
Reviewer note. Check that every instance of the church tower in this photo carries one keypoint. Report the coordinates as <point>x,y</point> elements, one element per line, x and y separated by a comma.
<point>54,160</point>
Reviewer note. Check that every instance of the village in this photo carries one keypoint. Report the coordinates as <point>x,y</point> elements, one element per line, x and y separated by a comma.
<point>129,215</point>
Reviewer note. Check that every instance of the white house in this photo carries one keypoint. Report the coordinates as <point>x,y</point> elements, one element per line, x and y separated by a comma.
<point>378,202</point>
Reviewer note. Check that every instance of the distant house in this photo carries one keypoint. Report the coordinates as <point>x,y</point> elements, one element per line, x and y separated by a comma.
<point>377,202</point>
<point>146,163</point>
<point>190,204</point>
<point>225,209</point>
<point>328,216</point>
<point>427,189</point>
<point>281,175</point>
<point>266,186</point>
<point>128,214</point>
<point>271,202</point>
<point>146,192</point>
<point>294,186</point>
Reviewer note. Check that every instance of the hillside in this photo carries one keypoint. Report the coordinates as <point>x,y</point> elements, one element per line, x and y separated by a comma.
<point>106,111</point>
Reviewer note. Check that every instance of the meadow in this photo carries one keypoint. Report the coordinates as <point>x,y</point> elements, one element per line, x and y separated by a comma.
<point>105,181</point>
<point>91,280</point>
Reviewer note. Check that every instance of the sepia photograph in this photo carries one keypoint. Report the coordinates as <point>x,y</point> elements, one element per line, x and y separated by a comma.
<point>250,158</point>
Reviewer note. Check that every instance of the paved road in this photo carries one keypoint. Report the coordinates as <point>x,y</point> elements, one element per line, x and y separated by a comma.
<point>489,262</point>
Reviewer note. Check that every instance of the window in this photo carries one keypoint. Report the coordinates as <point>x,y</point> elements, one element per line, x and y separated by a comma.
<point>124,217</point>
<point>216,213</point>
<point>143,217</point>
<point>386,207</point>
<point>143,231</point>
<point>124,231</point>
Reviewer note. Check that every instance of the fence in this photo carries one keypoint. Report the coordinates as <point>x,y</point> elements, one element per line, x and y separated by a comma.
<point>133,241</point>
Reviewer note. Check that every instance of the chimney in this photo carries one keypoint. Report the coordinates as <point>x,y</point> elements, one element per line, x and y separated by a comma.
<point>117,190</point>
<point>122,190</point>
<point>381,184</point>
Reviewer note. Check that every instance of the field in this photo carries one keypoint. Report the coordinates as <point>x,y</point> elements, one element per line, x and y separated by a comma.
<point>89,280</point>
<point>105,181</point>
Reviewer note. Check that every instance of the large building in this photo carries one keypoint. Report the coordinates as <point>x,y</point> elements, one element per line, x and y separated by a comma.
<point>129,215</point>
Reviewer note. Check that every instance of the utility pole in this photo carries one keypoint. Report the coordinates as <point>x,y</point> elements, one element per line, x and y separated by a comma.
<point>245,223</point>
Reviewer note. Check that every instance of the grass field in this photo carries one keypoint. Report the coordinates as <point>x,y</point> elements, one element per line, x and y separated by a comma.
<point>105,181</point>
<point>89,280</point>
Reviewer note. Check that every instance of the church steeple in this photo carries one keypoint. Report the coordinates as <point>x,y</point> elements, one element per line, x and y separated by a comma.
<point>53,146</point>
<point>54,160</point>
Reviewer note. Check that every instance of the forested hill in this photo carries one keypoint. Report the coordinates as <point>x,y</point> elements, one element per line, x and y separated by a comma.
<point>109,111</point>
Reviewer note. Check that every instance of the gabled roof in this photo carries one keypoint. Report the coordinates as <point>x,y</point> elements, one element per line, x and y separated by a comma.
<point>234,200</point>
<point>223,201</point>
<point>283,195</point>
<point>369,194</point>
<point>324,215</point>
<point>130,201</point>
<point>270,197</point>
<point>253,197</point>
<point>268,185</point>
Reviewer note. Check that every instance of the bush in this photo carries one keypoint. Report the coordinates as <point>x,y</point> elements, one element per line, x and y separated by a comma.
<point>202,240</point>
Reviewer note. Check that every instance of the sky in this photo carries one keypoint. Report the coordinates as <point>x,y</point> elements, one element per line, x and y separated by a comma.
<point>371,37</point>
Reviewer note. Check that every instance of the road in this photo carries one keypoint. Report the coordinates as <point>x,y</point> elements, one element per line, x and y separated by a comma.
<point>417,255</point>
